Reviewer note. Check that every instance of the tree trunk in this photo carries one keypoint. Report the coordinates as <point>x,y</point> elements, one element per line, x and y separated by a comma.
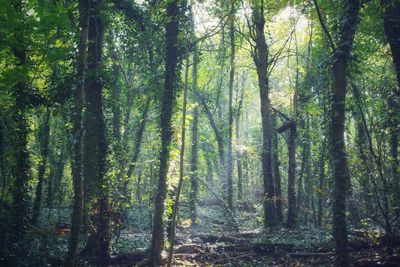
<point>181,164</point>
<point>95,145</point>
<point>260,59</point>
<point>291,215</point>
<point>77,166</point>
<point>194,187</point>
<point>230,109</point>
<point>115,100</point>
<point>321,187</point>
<point>42,166</point>
<point>391,23</point>
<point>171,65</point>
<point>217,133</point>
<point>306,171</point>
<point>138,143</point>
<point>239,153</point>
<point>210,173</point>
<point>275,171</point>
<point>341,177</point>
<point>394,146</point>
<point>20,208</point>
<point>3,175</point>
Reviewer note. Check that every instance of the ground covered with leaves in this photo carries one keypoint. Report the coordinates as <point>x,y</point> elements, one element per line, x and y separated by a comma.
<point>210,243</point>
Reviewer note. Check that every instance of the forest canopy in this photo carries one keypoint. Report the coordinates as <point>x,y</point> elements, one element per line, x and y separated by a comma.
<point>199,132</point>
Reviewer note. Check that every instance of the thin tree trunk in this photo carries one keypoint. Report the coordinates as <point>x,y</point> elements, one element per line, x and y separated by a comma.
<point>394,145</point>
<point>171,66</point>
<point>291,215</point>
<point>230,109</point>
<point>181,164</point>
<point>194,187</point>
<point>306,172</point>
<point>210,173</point>
<point>42,166</point>
<point>3,183</point>
<point>275,171</point>
<point>239,153</point>
<point>138,142</point>
<point>115,98</point>
<point>321,189</point>
<point>217,133</point>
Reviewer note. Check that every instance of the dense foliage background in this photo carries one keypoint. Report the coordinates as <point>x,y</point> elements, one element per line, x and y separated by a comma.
<point>280,117</point>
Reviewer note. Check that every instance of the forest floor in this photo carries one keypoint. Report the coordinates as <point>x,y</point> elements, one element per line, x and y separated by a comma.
<point>210,244</point>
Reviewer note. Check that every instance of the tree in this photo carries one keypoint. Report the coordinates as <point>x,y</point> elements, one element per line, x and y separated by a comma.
<point>260,56</point>
<point>94,142</point>
<point>391,23</point>
<point>77,171</point>
<point>341,181</point>
<point>170,86</point>
<point>230,107</point>
<point>42,167</point>
<point>20,219</point>
<point>194,187</point>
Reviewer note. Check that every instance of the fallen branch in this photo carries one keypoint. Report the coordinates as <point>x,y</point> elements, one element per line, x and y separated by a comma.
<point>208,238</point>
<point>232,259</point>
<point>310,255</point>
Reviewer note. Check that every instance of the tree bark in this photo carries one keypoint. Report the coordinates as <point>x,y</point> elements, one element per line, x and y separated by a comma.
<point>194,187</point>
<point>276,172</point>
<point>261,61</point>
<point>138,142</point>
<point>229,177</point>
<point>95,144</point>
<point>321,180</point>
<point>291,215</point>
<point>341,177</point>
<point>77,166</point>
<point>239,153</point>
<point>42,166</point>
<point>20,207</point>
<point>170,80</point>
<point>181,163</point>
<point>391,24</point>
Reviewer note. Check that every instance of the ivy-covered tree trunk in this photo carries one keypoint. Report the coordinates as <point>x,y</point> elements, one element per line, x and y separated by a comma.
<point>261,61</point>
<point>391,23</point>
<point>77,166</point>
<point>21,199</point>
<point>341,177</point>
<point>175,209</point>
<point>170,83</point>
<point>44,147</point>
<point>95,145</point>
